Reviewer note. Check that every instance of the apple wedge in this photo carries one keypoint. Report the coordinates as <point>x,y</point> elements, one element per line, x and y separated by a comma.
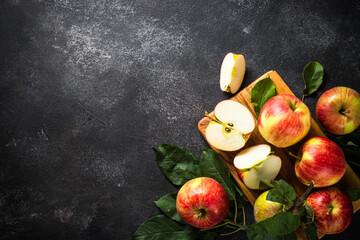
<point>251,156</point>
<point>232,72</point>
<point>231,127</point>
<point>256,164</point>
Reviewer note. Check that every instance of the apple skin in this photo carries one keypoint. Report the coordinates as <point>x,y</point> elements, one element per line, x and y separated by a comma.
<point>338,110</point>
<point>284,120</point>
<point>332,208</point>
<point>264,209</point>
<point>322,161</point>
<point>202,202</point>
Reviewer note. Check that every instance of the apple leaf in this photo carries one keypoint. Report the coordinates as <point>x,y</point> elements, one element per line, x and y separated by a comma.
<point>311,231</point>
<point>261,93</point>
<point>307,213</point>
<point>259,236</point>
<point>350,144</point>
<point>313,77</point>
<point>282,193</point>
<point>177,164</point>
<point>281,226</point>
<point>353,193</point>
<point>163,228</point>
<point>167,205</point>
<point>212,166</point>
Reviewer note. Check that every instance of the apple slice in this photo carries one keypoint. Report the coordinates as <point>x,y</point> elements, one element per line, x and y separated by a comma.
<point>251,156</point>
<point>232,72</point>
<point>231,127</point>
<point>264,171</point>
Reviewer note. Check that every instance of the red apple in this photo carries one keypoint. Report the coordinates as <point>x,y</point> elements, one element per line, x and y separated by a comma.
<point>322,161</point>
<point>202,202</point>
<point>332,208</point>
<point>338,110</point>
<point>284,120</point>
<point>264,209</point>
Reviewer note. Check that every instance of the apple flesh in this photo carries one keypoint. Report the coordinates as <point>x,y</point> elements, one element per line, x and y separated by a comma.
<point>255,165</point>
<point>232,72</point>
<point>332,208</point>
<point>202,202</point>
<point>264,209</point>
<point>231,127</point>
<point>251,156</point>
<point>322,161</point>
<point>338,110</point>
<point>284,120</point>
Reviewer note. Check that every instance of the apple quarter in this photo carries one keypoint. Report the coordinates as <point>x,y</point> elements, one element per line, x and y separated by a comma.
<point>251,156</point>
<point>232,72</point>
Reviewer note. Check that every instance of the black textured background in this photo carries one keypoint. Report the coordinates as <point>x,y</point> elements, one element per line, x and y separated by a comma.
<point>88,87</point>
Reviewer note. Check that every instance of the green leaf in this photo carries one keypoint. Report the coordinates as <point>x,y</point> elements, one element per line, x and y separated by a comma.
<point>352,138</point>
<point>313,77</point>
<point>259,236</point>
<point>311,232</point>
<point>353,193</point>
<point>280,225</point>
<point>177,164</point>
<point>239,200</point>
<point>282,193</point>
<point>261,93</point>
<point>350,144</point>
<point>161,227</point>
<point>212,166</point>
<point>167,205</point>
<point>307,213</point>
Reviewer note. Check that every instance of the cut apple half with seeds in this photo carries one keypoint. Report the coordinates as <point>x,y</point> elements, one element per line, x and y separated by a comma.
<point>252,156</point>
<point>232,72</point>
<point>231,127</point>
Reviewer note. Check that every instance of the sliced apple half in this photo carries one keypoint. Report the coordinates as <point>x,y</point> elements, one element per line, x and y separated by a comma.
<point>256,165</point>
<point>252,156</point>
<point>231,127</point>
<point>232,72</point>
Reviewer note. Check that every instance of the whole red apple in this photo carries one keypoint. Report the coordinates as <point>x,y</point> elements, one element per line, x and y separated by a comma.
<point>202,202</point>
<point>332,208</point>
<point>322,161</point>
<point>284,120</point>
<point>338,110</point>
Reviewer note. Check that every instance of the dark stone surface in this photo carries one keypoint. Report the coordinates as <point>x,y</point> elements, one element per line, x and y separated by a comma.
<point>88,87</point>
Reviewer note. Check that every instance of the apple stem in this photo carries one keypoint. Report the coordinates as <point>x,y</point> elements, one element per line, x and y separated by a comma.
<point>302,198</point>
<point>212,118</point>
<point>293,155</point>
<point>226,234</point>
<point>243,210</point>
<point>236,209</point>
<point>216,226</point>
<point>228,223</point>
<point>302,99</point>
<point>329,211</point>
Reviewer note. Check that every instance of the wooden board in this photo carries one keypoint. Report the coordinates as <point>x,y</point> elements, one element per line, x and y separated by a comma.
<point>287,171</point>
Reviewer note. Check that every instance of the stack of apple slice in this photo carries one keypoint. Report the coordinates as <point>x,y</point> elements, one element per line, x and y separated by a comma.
<point>257,164</point>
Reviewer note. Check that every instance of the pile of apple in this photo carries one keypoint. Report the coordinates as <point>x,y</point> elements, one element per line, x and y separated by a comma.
<point>283,121</point>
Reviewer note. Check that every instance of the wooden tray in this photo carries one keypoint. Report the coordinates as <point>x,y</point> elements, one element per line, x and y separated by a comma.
<point>287,171</point>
